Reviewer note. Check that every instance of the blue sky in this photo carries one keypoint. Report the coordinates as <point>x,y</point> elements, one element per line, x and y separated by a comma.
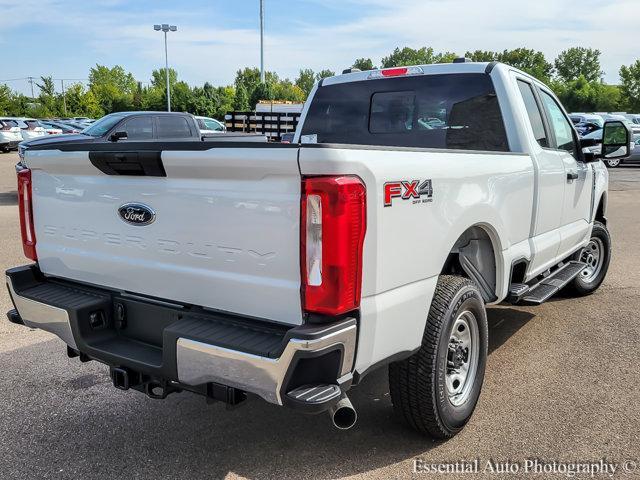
<point>64,38</point>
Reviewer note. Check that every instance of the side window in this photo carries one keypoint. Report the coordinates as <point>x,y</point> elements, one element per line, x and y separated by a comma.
<point>170,126</point>
<point>139,128</point>
<point>561,126</point>
<point>535,117</point>
<point>392,112</point>
<point>211,125</point>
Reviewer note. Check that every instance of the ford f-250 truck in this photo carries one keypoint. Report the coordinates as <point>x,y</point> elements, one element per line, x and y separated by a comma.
<point>409,199</point>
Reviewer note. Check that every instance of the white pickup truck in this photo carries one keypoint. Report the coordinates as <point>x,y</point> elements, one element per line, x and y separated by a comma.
<point>409,199</point>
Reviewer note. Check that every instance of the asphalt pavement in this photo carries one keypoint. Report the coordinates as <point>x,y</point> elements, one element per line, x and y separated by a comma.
<point>562,384</point>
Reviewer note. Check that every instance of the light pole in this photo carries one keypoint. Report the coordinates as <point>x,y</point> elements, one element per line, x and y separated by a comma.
<point>262,41</point>
<point>165,27</point>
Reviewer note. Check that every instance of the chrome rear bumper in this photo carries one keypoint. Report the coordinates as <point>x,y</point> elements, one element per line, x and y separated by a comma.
<point>200,363</point>
<point>187,361</point>
<point>36,314</point>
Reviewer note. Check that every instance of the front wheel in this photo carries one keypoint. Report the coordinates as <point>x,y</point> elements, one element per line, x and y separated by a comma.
<point>436,389</point>
<point>596,255</point>
<point>612,162</point>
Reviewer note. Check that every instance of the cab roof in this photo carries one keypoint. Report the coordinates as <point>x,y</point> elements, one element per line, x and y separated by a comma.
<point>412,70</point>
<point>431,69</point>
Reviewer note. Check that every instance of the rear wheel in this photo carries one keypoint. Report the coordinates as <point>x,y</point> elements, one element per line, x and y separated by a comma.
<point>436,389</point>
<point>596,255</point>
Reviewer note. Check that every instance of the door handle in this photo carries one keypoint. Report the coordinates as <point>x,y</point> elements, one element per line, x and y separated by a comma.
<point>572,176</point>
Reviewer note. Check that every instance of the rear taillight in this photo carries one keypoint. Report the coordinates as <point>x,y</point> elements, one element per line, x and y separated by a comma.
<point>333,225</point>
<point>26,214</point>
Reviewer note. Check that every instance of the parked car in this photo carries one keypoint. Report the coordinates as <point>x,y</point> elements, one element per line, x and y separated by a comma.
<point>634,156</point>
<point>210,126</point>
<point>62,126</point>
<point>633,118</point>
<point>134,127</point>
<point>10,134</point>
<point>76,125</point>
<point>613,116</point>
<point>82,119</point>
<point>30,128</point>
<point>578,118</point>
<point>291,271</point>
<point>635,153</point>
<point>50,129</point>
<point>584,128</point>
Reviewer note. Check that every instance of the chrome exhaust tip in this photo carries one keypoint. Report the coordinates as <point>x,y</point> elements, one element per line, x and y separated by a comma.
<point>343,415</point>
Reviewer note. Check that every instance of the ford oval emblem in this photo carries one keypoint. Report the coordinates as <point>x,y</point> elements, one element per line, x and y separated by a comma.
<point>137,214</point>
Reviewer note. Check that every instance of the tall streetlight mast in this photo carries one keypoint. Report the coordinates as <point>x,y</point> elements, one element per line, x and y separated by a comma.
<point>262,41</point>
<point>165,27</point>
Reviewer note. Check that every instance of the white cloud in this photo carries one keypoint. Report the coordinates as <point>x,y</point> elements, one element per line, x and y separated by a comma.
<point>216,51</point>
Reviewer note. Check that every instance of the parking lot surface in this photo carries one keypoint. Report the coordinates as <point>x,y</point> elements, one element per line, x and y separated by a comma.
<point>562,384</point>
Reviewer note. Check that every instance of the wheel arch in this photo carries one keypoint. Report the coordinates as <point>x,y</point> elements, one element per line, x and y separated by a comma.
<point>600,214</point>
<point>477,254</point>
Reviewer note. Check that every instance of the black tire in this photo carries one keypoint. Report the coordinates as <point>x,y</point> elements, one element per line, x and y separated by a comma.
<point>418,384</point>
<point>584,285</point>
<point>613,163</point>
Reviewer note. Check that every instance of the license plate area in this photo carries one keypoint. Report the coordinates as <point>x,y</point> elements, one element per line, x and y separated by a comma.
<point>142,321</point>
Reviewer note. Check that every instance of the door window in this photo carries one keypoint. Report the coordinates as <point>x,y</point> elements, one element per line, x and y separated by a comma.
<point>535,117</point>
<point>561,126</point>
<point>139,128</point>
<point>170,126</point>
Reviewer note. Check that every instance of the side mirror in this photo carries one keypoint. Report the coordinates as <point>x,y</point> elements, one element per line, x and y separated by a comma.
<point>616,140</point>
<point>115,136</point>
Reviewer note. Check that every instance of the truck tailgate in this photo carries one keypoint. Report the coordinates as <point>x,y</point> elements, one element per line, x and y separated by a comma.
<point>225,235</point>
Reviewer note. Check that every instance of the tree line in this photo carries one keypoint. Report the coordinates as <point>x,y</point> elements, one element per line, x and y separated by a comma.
<point>575,76</point>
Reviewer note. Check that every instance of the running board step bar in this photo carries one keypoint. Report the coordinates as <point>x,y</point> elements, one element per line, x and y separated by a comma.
<point>542,291</point>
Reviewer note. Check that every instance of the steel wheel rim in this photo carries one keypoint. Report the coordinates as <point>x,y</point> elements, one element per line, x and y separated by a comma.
<point>462,358</point>
<point>613,162</point>
<point>593,256</point>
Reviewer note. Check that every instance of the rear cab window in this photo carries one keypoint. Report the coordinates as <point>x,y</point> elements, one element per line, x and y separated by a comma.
<point>447,111</point>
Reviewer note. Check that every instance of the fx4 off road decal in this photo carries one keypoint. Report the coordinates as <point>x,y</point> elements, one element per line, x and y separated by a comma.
<point>417,191</point>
